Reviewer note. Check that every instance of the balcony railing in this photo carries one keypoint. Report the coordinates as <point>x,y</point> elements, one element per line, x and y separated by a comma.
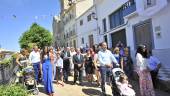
<point>129,7</point>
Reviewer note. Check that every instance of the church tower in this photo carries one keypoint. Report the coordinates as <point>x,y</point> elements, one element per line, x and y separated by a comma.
<point>64,4</point>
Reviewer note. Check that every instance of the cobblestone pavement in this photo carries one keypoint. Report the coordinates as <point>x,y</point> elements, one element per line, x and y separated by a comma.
<point>88,90</point>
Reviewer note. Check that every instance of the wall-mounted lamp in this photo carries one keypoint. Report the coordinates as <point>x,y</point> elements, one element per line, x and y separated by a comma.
<point>94,16</point>
<point>158,31</point>
<point>70,2</point>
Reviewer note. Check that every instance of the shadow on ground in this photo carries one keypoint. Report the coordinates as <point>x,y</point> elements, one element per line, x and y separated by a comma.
<point>89,84</point>
<point>41,89</point>
<point>91,92</point>
<point>69,82</point>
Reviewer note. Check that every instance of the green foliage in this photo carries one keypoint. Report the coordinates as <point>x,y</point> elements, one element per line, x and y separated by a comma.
<point>35,35</point>
<point>31,45</point>
<point>14,55</point>
<point>6,61</point>
<point>13,90</point>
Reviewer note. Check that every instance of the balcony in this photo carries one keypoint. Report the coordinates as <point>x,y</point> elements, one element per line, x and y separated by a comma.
<point>129,7</point>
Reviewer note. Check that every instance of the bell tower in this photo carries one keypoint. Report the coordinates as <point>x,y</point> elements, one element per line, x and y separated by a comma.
<point>64,4</point>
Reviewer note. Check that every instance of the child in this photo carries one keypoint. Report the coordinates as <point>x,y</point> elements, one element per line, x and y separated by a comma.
<point>127,63</point>
<point>124,86</point>
<point>59,69</point>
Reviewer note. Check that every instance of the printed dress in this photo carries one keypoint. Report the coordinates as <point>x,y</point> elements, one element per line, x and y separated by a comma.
<point>145,80</point>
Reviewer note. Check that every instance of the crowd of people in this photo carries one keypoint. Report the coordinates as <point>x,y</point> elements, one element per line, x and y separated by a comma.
<point>96,64</point>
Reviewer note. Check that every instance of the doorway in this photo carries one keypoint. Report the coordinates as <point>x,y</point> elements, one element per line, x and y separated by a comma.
<point>143,34</point>
<point>118,36</point>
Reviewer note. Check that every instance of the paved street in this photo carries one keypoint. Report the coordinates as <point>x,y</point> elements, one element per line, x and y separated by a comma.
<point>88,90</point>
<point>76,90</point>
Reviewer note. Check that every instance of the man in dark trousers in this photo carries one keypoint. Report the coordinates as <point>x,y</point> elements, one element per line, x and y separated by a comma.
<point>154,66</point>
<point>78,61</point>
<point>106,58</point>
<point>66,63</point>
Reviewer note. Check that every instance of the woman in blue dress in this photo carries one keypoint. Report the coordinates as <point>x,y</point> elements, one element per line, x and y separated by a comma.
<point>47,71</point>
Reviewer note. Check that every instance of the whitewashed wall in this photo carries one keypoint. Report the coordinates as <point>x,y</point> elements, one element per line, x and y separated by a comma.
<point>88,28</point>
<point>104,9</point>
<point>160,17</point>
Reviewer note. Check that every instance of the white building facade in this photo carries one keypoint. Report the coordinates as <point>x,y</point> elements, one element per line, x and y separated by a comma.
<point>68,18</point>
<point>64,25</point>
<point>69,15</point>
<point>87,28</point>
<point>135,22</point>
<point>58,32</point>
<point>149,25</point>
<point>106,10</point>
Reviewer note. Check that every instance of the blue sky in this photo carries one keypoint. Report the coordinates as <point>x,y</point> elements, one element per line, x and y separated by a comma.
<point>26,12</point>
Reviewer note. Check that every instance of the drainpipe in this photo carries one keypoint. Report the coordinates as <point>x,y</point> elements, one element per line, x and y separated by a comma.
<point>96,18</point>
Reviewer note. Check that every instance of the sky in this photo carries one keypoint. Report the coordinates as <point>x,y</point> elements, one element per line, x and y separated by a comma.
<point>16,16</point>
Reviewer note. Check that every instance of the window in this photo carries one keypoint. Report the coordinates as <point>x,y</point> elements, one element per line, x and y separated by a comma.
<point>70,16</point>
<point>67,35</point>
<point>64,36</point>
<point>81,22</point>
<point>112,21</point>
<point>74,43</point>
<point>105,38</point>
<point>121,17</point>
<point>149,3</point>
<point>70,43</point>
<point>66,19</point>
<point>91,41</point>
<point>71,33</point>
<point>89,18</point>
<point>104,25</point>
<point>82,40</point>
<point>116,18</point>
<point>74,33</point>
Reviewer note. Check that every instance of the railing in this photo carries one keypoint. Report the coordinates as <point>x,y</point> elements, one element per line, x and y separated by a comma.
<point>129,7</point>
<point>6,72</point>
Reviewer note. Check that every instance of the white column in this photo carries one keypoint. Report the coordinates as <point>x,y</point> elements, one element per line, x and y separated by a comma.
<point>109,39</point>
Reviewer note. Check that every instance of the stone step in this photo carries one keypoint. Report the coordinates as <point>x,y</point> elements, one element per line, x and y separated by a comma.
<point>164,79</point>
<point>164,74</point>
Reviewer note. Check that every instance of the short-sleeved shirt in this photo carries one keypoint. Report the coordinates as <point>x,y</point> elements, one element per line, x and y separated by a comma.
<point>34,57</point>
<point>153,62</point>
<point>59,63</point>
<point>106,57</point>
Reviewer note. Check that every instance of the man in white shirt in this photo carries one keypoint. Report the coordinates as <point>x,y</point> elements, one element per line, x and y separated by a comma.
<point>34,58</point>
<point>72,53</point>
<point>106,59</point>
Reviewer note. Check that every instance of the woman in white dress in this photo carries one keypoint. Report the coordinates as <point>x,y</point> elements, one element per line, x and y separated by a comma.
<point>145,80</point>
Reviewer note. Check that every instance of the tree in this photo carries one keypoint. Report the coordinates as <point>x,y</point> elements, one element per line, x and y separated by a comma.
<point>35,35</point>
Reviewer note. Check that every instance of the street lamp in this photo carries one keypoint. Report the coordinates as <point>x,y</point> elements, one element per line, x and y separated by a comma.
<point>70,2</point>
<point>94,16</point>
